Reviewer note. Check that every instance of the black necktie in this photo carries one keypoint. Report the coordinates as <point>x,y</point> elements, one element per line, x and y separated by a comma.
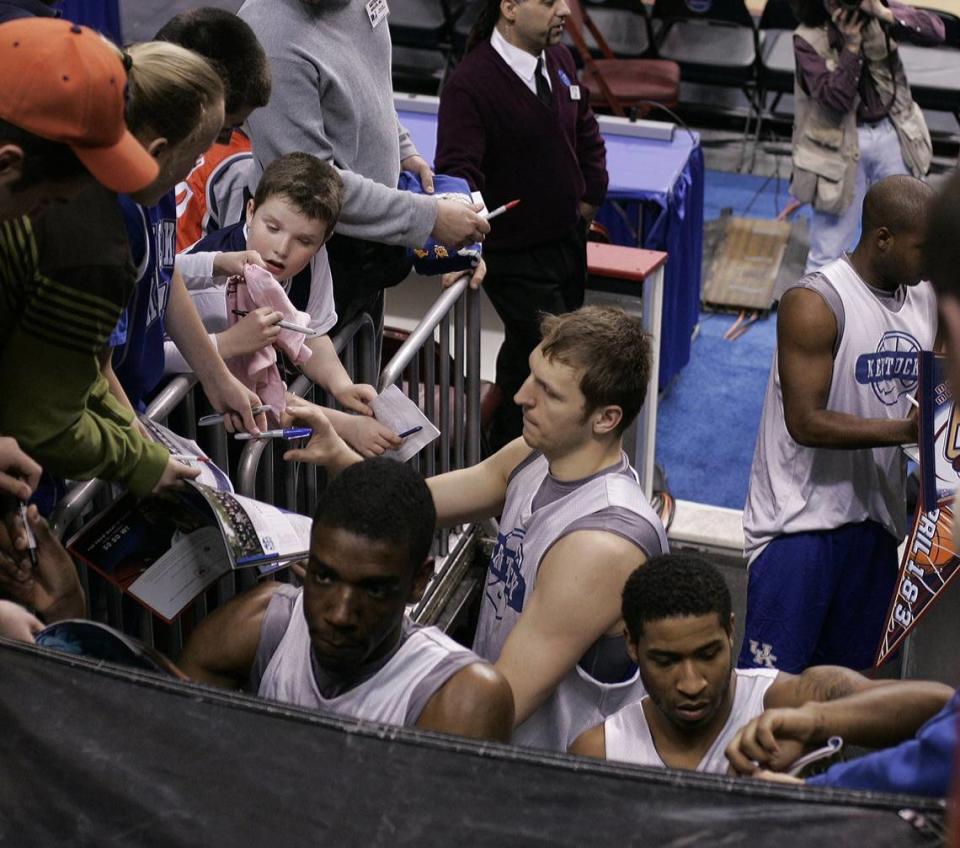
<point>543,87</point>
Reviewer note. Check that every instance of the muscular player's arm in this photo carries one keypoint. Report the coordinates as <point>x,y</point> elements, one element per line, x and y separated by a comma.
<point>591,743</point>
<point>222,649</point>
<point>805,710</point>
<point>575,601</point>
<point>806,335</point>
<point>476,702</point>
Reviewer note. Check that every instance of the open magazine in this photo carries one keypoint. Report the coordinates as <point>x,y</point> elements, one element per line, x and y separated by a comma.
<point>165,550</point>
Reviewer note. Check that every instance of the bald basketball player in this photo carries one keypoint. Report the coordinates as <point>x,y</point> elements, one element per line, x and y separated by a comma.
<point>826,502</point>
<point>343,643</point>
<point>679,630</point>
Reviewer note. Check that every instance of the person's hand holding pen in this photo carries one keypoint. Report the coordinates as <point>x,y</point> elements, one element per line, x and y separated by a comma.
<point>19,475</point>
<point>325,447</point>
<point>52,588</point>
<point>254,331</point>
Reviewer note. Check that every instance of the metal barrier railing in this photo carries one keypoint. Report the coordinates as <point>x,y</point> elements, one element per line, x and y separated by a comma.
<point>82,497</point>
<point>262,471</point>
<point>447,387</point>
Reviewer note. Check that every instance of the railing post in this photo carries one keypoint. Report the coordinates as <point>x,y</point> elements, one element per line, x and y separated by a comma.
<point>473,377</point>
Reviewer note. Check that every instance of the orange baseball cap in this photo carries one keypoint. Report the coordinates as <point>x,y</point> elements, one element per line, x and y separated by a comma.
<point>66,83</point>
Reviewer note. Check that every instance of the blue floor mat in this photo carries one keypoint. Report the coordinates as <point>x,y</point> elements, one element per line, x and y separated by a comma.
<point>708,417</point>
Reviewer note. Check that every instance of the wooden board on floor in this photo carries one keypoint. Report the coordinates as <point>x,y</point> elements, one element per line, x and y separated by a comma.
<point>744,269</point>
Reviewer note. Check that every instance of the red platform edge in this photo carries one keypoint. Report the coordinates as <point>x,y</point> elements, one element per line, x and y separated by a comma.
<point>623,263</point>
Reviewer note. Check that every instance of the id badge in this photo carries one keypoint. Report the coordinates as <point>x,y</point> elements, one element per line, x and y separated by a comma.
<point>574,92</point>
<point>377,11</point>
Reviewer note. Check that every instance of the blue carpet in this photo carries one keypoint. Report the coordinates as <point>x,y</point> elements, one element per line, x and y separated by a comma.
<point>708,417</point>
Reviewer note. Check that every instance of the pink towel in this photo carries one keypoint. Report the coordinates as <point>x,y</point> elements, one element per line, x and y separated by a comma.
<point>258,371</point>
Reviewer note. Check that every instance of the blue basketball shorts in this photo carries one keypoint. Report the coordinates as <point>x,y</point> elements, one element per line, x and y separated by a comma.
<point>819,598</point>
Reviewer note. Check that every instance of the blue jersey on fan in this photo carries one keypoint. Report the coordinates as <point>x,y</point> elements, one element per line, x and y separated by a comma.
<point>138,338</point>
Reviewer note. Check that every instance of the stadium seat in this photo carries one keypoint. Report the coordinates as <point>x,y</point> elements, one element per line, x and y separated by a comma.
<point>620,85</point>
<point>777,65</point>
<point>422,32</point>
<point>715,42</point>
<point>625,26</point>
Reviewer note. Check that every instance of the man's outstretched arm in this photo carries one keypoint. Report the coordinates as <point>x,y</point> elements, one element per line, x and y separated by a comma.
<point>221,651</point>
<point>875,714</point>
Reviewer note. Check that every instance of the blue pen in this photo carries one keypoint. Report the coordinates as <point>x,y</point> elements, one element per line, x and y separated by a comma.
<point>409,432</point>
<point>287,433</point>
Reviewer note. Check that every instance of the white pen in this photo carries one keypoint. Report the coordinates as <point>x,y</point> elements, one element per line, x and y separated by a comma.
<point>913,400</point>
<point>500,210</point>
<point>286,325</point>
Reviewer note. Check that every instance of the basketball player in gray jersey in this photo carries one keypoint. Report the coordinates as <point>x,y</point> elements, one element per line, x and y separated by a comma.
<point>679,629</point>
<point>342,643</point>
<point>574,524</point>
<point>826,505</point>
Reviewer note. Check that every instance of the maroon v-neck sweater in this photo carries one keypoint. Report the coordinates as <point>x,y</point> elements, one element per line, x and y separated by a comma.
<point>495,133</point>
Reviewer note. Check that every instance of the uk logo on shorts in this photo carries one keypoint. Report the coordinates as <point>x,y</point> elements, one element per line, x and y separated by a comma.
<point>763,654</point>
<point>505,584</point>
<point>893,370</point>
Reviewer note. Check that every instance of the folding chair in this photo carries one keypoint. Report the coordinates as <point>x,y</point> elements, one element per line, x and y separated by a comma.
<point>621,85</point>
<point>625,26</point>
<point>777,66</point>
<point>715,42</point>
<point>934,72</point>
<point>419,28</point>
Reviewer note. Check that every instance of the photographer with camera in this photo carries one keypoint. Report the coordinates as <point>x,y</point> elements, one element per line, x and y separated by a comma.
<point>856,121</point>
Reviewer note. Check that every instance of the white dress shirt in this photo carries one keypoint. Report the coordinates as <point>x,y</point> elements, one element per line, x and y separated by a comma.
<point>523,64</point>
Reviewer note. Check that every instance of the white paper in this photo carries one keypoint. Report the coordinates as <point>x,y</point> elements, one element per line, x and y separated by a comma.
<point>193,563</point>
<point>284,534</point>
<point>395,410</point>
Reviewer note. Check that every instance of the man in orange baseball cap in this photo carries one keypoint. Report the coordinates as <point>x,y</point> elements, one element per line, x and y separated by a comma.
<point>62,97</point>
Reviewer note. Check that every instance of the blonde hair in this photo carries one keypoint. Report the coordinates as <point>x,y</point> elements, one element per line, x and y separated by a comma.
<point>170,89</point>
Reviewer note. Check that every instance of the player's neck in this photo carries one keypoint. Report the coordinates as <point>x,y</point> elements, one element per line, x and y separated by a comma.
<point>685,748</point>
<point>862,264</point>
<point>585,460</point>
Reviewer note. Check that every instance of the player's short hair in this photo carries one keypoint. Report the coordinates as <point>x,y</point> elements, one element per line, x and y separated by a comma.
<point>43,160</point>
<point>942,243</point>
<point>673,586</point>
<point>900,203</point>
<point>232,49</point>
<point>309,183</point>
<point>382,500</point>
<point>611,349</point>
<point>170,89</point>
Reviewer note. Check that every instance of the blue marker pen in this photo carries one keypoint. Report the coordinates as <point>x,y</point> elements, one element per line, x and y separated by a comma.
<point>288,433</point>
<point>409,432</point>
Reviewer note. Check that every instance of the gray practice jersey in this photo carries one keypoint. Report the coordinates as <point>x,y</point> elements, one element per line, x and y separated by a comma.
<point>395,694</point>
<point>539,511</point>
<point>796,489</point>
<point>628,738</point>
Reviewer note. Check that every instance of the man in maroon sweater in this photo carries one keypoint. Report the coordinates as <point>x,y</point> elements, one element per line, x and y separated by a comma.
<point>514,123</point>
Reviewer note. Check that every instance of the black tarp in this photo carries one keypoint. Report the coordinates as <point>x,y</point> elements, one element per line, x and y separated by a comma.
<point>101,756</point>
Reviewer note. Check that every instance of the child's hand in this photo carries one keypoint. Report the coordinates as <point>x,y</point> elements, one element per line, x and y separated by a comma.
<point>366,435</point>
<point>231,264</point>
<point>356,397</point>
<point>476,277</point>
<point>18,623</point>
<point>325,448</point>
<point>251,333</point>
